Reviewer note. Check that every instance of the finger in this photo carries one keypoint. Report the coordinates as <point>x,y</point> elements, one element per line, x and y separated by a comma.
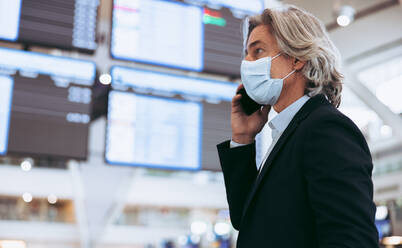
<point>236,100</point>
<point>241,86</point>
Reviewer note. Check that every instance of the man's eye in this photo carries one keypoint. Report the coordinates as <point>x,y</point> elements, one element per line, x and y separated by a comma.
<point>258,50</point>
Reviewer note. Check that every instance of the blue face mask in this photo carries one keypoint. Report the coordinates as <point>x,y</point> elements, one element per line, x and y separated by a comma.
<point>257,81</point>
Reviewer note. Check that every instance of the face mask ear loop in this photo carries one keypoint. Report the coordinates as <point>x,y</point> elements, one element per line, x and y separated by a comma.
<point>289,74</point>
<point>276,56</point>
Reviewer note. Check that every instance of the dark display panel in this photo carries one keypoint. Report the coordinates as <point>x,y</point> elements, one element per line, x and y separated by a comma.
<point>223,42</point>
<point>44,121</point>
<point>216,129</point>
<point>51,104</point>
<point>223,37</point>
<point>63,24</point>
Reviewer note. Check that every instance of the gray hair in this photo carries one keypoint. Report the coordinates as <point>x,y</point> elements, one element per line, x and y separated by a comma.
<point>301,35</point>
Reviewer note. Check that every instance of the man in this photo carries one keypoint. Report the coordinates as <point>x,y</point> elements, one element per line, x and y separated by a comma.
<point>314,187</point>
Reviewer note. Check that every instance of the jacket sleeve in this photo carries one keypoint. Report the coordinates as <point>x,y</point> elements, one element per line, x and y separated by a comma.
<point>239,172</point>
<point>337,167</point>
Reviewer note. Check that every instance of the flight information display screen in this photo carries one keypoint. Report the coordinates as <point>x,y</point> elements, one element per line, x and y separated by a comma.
<point>171,84</point>
<point>223,42</point>
<point>51,104</point>
<point>62,24</point>
<point>215,97</point>
<point>202,36</point>
<point>223,37</point>
<point>158,32</point>
<point>153,131</point>
<point>249,6</point>
<point>9,19</point>
<point>6,93</point>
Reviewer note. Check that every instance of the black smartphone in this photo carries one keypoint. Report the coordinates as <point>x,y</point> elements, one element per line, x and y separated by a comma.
<point>249,105</point>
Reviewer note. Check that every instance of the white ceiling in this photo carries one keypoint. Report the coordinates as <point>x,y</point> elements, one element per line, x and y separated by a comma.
<point>325,9</point>
<point>365,34</point>
<point>370,32</point>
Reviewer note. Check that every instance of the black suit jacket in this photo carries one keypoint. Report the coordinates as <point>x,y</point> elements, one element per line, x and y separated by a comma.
<point>315,189</point>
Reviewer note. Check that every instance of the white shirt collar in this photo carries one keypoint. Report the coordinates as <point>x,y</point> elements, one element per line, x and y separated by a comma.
<point>280,122</point>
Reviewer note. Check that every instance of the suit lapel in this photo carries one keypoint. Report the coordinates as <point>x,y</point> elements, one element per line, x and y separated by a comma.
<point>268,163</point>
<point>308,107</point>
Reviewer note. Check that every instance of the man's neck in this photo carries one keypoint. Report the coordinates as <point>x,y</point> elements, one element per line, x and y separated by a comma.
<point>286,102</point>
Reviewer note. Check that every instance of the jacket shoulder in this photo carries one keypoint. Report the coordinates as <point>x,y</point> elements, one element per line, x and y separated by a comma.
<point>325,114</point>
<point>328,115</point>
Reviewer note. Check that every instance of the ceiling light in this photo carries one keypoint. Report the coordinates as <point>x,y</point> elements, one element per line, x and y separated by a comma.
<point>346,15</point>
<point>52,199</point>
<point>27,197</point>
<point>26,164</point>
<point>343,20</point>
<point>105,79</point>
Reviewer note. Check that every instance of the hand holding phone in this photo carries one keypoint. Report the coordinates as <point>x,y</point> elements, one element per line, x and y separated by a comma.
<point>249,105</point>
<point>247,118</point>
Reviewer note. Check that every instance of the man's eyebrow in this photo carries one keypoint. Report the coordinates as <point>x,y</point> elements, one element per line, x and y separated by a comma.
<point>253,44</point>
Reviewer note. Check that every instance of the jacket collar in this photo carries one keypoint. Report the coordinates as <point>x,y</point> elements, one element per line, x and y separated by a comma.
<point>311,105</point>
<point>280,122</point>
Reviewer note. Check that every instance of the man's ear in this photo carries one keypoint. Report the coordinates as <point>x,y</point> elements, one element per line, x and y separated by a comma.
<point>298,64</point>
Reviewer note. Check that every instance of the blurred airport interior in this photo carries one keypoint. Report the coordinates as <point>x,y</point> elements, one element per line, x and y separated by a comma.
<point>110,112</point>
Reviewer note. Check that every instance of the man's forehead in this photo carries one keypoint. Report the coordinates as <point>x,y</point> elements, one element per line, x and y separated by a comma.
<point>259,34</point>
